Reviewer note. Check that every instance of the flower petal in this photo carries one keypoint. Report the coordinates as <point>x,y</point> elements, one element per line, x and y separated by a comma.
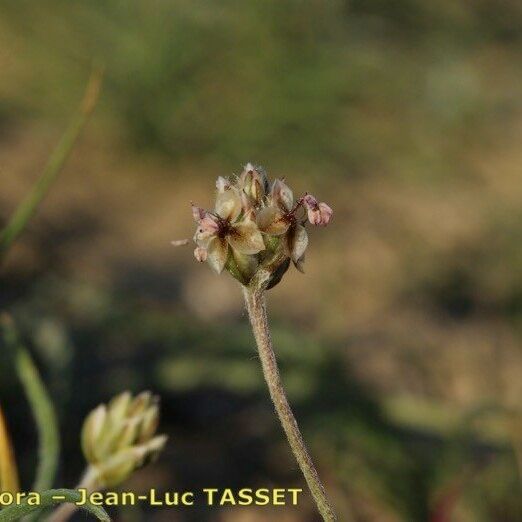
<point>282,195</point>
<point>299,264</point>
<point>228,204</point>
<point>200,254</point>
<point>217,253</point>
<point>326,213</point>
<point>208,229</point>
<point>270,220</point>
<point>312,209</point>
<point>253,182</point>
<point>209,224</point>
<point>198,213</point>
<point>297,242</point>
<point>314,216</point>
<point>246,238</point>
<point>246,264</point>
<point>202,239</point>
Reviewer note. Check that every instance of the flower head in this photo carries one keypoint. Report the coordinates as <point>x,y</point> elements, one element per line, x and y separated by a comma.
<point>318,213</point>
<point>256,224</point>
<point>119,437</point>
<point>228,231</point>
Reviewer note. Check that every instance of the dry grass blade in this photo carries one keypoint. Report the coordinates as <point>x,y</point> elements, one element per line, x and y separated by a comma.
<point>40,403</point>
<point>29,205</point>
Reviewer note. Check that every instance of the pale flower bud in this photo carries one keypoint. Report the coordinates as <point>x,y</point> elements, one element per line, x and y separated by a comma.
<point>201,254</point>
<point>312,209</point>
<point>318,213</point>
<point>314,216</point>
<point>326,213</point>
<point>139,405</point>
<point>254,182</point>
<point>198,213</point>
<point>119,437</point>
<point>282,195</point>
<point>207,228</point>
<point>246,202</point>
<point>150,424</point>
<point>92,429</point>
<point>222,184</point>
<point>310,201</point>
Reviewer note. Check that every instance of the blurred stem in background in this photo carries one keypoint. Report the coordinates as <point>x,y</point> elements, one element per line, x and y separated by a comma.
<point>29,205</point>
<point>37,395</point>
<point>48,499</point>
<point>39,400</point>
<point>89,481</point>
<point>41,406</point>
<point>256,306</point>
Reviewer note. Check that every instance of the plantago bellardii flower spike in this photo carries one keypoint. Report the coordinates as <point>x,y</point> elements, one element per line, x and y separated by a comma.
<point>255,230</point>
<point>117,438</point>
<point>256,225</point>
<point>120,437</point>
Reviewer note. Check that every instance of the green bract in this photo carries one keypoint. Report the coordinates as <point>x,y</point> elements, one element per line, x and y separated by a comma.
<point>119,437</point>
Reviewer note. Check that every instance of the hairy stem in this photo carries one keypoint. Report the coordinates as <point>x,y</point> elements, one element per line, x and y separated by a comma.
<point>89,482</point>
<point>48,499</point>
<point>256,306</point>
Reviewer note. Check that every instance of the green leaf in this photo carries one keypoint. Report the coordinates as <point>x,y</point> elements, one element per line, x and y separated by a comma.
<point>41,406</point>
<point>51,498</point>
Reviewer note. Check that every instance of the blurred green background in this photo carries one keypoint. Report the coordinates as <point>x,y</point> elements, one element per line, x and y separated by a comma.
<point>400,347</point>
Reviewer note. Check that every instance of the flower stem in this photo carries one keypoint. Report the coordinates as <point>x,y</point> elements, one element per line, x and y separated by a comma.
<point>89,481</point>
<point>256,306</point>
